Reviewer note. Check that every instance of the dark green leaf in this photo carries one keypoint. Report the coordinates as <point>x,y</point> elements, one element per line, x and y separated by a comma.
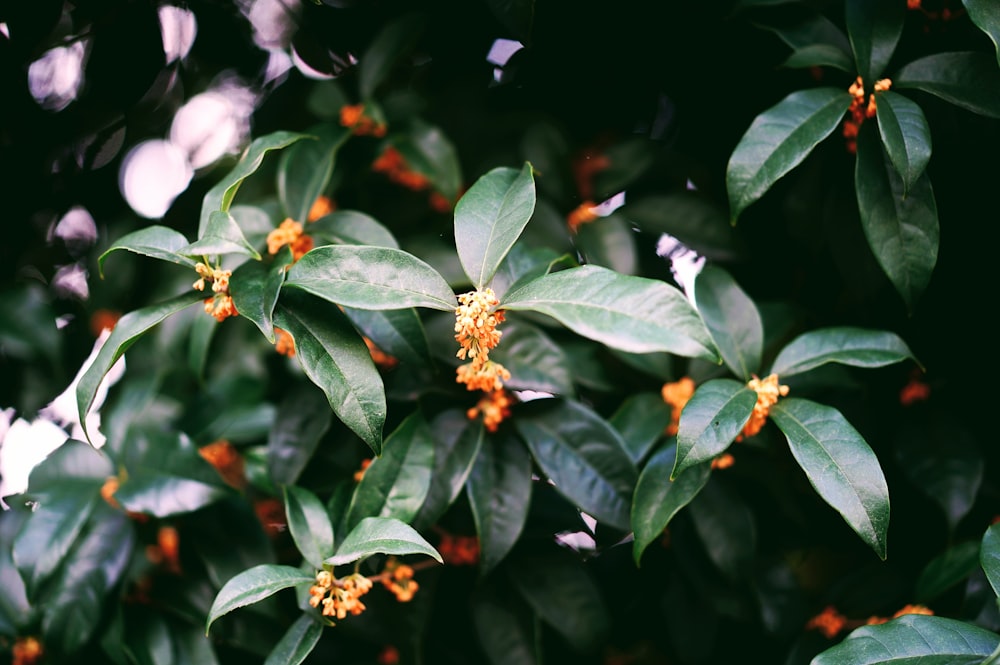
<point>902,229</point>
<point>503,627</point>
<point>628,313</point>
<point>391,44</point>
<point>985,14</point>
<point>778,140</point>
<point>335,359</point>
<point>254,585</point>
<point>726,528</point>
<point>627,160</point>
<point>396,484</point>
<point>350,227</point>
<point>905,135</point>
<point>733,320</point>
<point>534,360</point>
<point>800,26</point>
<point>158,242</point>
<point>162,494</point>
<point>222,236</point>
<point>428,151</point>
<point>819,55</point>
<point>912,639</point>
<point>230,538</point>
<point>490,217</point>
<point>74,462</point>
<point>850,346</point>
<point>254,287</point>
<point>499,489</point>
<point>516,15</point>
<point>641,420</point>
<point>839,464</point>
<point>303,418</point>
<point>874,27</point>
<point>200,342</point>
<point>688,217</point>
<point>127,331</point>
<point>989,556</point>
<point>609,242</point>
<point>381,535</point>
<point>296,645</point>
<point>457,444</point>
<point>305,169</point>
<point>967,79</point>
<point>582,454</point>
<point>309,525</point>
<point>397,332</point>
<point>657,498</point>
<point>711,420</point>
<point>371,278</point>
<point>946,570</point>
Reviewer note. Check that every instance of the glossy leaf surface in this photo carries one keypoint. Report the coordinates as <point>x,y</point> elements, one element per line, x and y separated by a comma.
<point>858,347</point>
<point>381,535</point>
<point>911,639</point>
<point>905,135</point>
<point>711,420</point>
<point>733,320</point>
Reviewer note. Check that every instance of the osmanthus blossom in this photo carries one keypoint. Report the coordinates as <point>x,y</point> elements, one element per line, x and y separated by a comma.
<point>24,445</point>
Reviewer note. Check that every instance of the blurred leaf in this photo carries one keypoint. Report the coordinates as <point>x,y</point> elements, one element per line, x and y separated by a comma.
<point>726,528</point>
<point>396,484</point>
<point>74,462</point>
<point>302,419</point>
<point>301,638</point>
<point>306,167</point>
<point>733,320</point>
<point>164,494</point>
<point>582,454</point>
<point>351,227</point>
<point>220,197</point>
<point>428,151</point>
<point>546,147</point>
<point>839,464</point>
<point>820,55</point>
<point>191,646</point>
<point>905,135</point>
<point>15,610</point>
<point>397,332</point>
<point>501,627</point>
<point>778,140</point>
<point>609,242</point>
<point>967,79</point>
<point>515,15</point>
<point>657,498</point>
<point>391,44</point>
<point>801,26</point>
<point>490,217</point>
<point>627,160</point>
<point>902,229</point>
<point>254,287</point>
<point>989,556</point>
<point>688,217</point>
<point>28,324</point>
<point>454,457</point>
<point>628,313</point>
<point>641,420</point>
<point>850,346</point>
<point>230,538</point>
<point>309,525</point>
<point>158,242</point>
<point>658,365</point>
<point>913,638</point>
<point>874,27</point>
<point>335,359</point>
<point>381,535</point>
<point>946,570</point>
<point>200,341</point>
<point>126,332</point>
<point>534,360</point>
<point>371,278</point>
<point>222,235</point>
<point>986,16</point>
<point>499,489</point>
<point>254,585</point>
<point>711,420</point>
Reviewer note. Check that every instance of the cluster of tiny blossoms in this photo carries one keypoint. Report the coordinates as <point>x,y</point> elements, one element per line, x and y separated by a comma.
<point>339,597</point>
<point>353,116</point>
<point>495,407</point>
<point>860,109</point>
<point>290,233</point>
<point>476,332</point>
<point>830,622</point>
<point>768,391</point>
<point>220,305</point>
<point>398,578</point>
<point>677,394</point>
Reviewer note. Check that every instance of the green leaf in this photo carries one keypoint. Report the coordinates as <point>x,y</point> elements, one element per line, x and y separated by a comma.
<point>641,420</point>
<point>309,525</point>
<point>905,135</point>
<point>254,287</point>
<point>967,79</point>
<point>490,217</point>
<point>158,242</point>
<point>778,140</point>
<point>624,312</point>
<point>302,419</point>
<point>800,26</point>
<point>335,359</point>
<point>839,464</point>
<point>371,278</point>
<point>688,217</point>
<point>305,169</point>
<point>350,227</point>
<point>162,494</point>
<point>396,484</point>
<point>902,229</point>
<point>391,44</point>
<point>711,420</point>
<point>946,570</point>
<point>397,332</point>
<point>911,639</point>
<point>609,242</point>
<point>534,360</point>
<point>457,444</point>
<point>989,556</point>
<point>428,151</point>
<point>985,14</point>
<point>582,454</point>
<point>199,343</point>
<point>297,643</point>
<point>733,320</point>
<point>220,197</point>
<point>726,529</point>
<point>127,331</point>
<point>381,535</point>
<point>846,345</point>
<point>254,585</point>
<point>874,27</point>
<point>222,235</point>
<point>819,55</point>
<point>516,15</point>
<point>657,498</point>
<point>503,626</point>
<point>499,489</point>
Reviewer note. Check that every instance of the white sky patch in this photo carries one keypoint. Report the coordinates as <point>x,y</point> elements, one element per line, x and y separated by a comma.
<point>54,79</point>
<point>528,395</point>
<point>273,22</point>
<point>685,263</point>
<point>213,124</point>
<point>178,28</point>
<point>4,30</point>
<point>609,206</point>
<point>500,52</point>
<point>152,175</point>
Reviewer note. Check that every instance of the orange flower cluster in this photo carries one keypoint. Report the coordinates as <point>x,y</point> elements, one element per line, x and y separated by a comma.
<point>27,651</point>
<point>339,597</point>
<point>829,622</point>
<point>677,394</point>
<point>353,116</point>
<point>380,357</point>
<point>475,331</point>
<point>392,163</point>
<point>860,109</point>
<point>321,207</point>
<point>389,655</point>
<point>108,489</point>
<point>398,578</point>
<point>284,343</point>
<point>906,609</point>
<point>459,550</point>
<point>227,461</point>
<point>723,461</point>
<point>289,233</point>
<point>271,515</point>
<point>768,391</point>
<point>166,552</point>
<point>582,214</point>
<point>914,391</point>
<point>220,305</point>
<point>495,407</point>
<point>103,319</point>
<point>360,473</point>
